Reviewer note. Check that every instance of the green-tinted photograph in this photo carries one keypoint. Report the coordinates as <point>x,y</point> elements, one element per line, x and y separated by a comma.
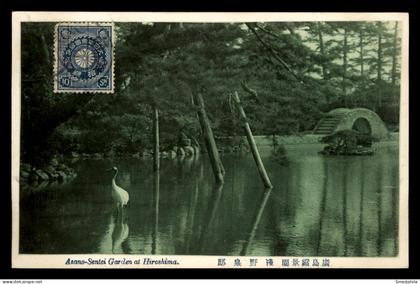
<point>217,139</point>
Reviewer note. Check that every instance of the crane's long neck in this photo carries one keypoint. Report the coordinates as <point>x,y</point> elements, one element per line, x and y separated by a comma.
<point>113,179</point>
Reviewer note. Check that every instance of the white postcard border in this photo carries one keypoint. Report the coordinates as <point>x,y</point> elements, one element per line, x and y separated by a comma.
<point>59,261</point>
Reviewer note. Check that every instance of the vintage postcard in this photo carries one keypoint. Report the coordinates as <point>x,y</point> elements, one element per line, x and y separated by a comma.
<point>209,140</point>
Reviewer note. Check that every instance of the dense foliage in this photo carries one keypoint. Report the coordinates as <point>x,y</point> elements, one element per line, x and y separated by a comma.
<point>287,75</point>
<point>348,142</point>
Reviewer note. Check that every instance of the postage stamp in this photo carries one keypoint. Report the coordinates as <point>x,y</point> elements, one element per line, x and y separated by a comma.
<point>84,57</point>
<point>233,140</point>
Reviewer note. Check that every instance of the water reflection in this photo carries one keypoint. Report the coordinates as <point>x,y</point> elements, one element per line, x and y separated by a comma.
<point>114,239</point>
<point>320,206</point>
<point>119,236</point>
<point>265,195</point>
<point>192,209</point>
<point>209,217</point>
<point>356,202</point>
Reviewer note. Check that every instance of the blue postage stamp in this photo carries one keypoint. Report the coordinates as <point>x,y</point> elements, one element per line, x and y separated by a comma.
<point>84,58</point>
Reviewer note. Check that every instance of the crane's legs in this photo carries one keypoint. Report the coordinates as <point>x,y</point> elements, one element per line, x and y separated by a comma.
<point>118,208</point>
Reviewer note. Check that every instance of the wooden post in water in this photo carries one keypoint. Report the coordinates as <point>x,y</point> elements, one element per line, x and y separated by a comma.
<point>211,146</point>
<point>156,161</point>
<point>252,144</point>
<point>156,209</point>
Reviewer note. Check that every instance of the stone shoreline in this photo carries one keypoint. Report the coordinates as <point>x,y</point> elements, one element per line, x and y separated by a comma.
<point>59,172</point>
<point>54,172</point>
<point>270,140</point>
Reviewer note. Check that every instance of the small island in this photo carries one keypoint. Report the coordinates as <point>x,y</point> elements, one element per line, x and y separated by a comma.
<point>348,142</point>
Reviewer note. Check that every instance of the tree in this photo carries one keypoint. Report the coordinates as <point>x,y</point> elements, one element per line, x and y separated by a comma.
<point>287,74</point>
<point>396,46</point>
<point>42,111</point>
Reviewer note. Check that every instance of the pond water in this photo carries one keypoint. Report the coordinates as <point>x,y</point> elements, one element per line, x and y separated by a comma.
<point>319,206</point>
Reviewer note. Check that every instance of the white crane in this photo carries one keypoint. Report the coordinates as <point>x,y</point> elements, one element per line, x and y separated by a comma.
<point>119,195</point>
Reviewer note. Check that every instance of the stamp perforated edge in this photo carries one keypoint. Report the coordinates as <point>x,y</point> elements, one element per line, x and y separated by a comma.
<point>56,55</point>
